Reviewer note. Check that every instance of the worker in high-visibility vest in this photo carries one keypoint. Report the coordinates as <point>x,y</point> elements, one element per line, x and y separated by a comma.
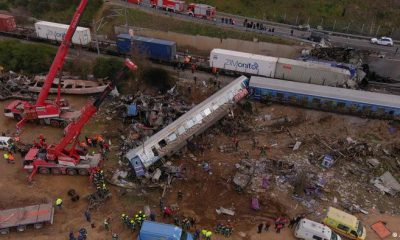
<point>203,233</point>
<point>59,203</point>
<point>208,235</point>
<point>11,158</point>
<point>5,155</point>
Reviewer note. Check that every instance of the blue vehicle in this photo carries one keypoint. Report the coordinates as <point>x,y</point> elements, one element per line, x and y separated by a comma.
<point>152,48</point>
<point>161,231</point>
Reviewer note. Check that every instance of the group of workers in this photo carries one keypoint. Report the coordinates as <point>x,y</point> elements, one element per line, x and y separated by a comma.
<point>99,182</point>
<point>135,221</point>
<point>82,235</point>
<point>96,140</point>
<point>9,157</point>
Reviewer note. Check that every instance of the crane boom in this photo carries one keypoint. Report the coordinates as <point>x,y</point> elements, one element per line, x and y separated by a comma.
<point>61,54</point>
<point>74,128</point>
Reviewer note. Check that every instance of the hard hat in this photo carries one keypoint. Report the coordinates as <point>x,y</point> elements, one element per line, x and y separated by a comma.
<point>101,171</point>
<point>123,215</point>
<point>136,215</point>
<point>140,212</point>
<point>132,221</point>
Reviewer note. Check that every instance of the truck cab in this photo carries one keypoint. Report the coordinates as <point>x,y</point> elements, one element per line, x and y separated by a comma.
<point>155,231</point>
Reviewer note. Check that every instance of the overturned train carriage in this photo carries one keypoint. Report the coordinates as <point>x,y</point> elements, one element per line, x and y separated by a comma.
<point>326,98</point>
<point>174,136</point>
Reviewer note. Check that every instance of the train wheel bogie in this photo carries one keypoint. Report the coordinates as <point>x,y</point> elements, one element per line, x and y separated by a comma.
<point>4,231</point>
<point>71,172</point>
<point>55,171</point>
<point>83,172</point>
<point>21,228</point>
<point>38,225</point>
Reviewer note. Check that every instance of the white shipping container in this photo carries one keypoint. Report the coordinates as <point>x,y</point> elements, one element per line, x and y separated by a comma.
<point>307,72</point>
<point>56,31</point>
<point>243,62</point>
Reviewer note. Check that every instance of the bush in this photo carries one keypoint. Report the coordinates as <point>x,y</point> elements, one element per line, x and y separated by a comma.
<point>106,67</point>
<point>27,58</point>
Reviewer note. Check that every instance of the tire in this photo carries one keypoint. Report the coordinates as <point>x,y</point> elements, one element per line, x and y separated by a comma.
<point>54,123</point>
<point>55,171</point>
<point>44,170</point>
<point>71,172</point>
<point>17,117</point>
<point>75,198</point>
<point>4,231</point>
<point>21,228</point>
<point>38,225</point>
<point>83,172</point>
<point>63,124</point>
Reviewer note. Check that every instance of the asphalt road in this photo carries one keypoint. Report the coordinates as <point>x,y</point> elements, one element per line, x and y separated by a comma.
<point>279,29</point>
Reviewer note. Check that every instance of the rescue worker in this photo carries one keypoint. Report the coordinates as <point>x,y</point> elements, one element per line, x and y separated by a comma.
<point>132,225</point>
<point>167,212</point>
<point>5,155</point>
<point>203,233</point>
<point>114,236</point>
<point>125,219</point>
<point>59,203</point>
<point>89,142</point>
<point>208,235</point>
<point>106,223</point>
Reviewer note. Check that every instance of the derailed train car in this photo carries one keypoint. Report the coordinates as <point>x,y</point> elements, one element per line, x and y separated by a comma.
<point>175,136</point>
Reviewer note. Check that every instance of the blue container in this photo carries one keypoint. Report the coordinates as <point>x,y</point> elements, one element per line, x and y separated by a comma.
<point>152,48</point>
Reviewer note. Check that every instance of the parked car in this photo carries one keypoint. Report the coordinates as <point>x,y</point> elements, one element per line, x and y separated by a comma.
<point>385,41</point>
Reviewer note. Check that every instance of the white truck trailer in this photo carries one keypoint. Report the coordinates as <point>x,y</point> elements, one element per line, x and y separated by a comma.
<point>56,31</point>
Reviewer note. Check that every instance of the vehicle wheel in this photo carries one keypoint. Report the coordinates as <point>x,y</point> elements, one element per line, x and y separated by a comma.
<point>55,171</point>
<point>71,172</point>
<point>17,117</point>
<point>21,228</point>
<point>54,123</point>
<point>83,172</point>
<point>44,170</point>
<point>38,225</point>
<point>41,122</point>
<point>4,231</point>
<point>63,124</point>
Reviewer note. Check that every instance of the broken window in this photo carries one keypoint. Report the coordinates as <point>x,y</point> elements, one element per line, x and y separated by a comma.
<point>316,102</point>
<point>328,104</point>
<point>317,238</point>
<point>367,109</point>
<point>341,105</point>
<point>293,99</point>
<point>279,96</point>
<point>162,143</point>
<point>154,150</point>
<point>207,111</point>
<point>172,137</point>
<point>304,100</point>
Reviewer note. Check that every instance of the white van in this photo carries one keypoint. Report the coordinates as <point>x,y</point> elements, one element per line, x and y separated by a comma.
<point>5,143</point>
<point>310,230</point>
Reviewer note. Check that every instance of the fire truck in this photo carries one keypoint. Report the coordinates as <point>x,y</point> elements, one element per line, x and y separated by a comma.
<point>169,5</point>
<point>59,159</point>
<point>44,111</point>
<point>201,11</point>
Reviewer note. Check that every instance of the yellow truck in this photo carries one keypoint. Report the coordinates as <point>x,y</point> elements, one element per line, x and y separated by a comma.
<point>345,224</point>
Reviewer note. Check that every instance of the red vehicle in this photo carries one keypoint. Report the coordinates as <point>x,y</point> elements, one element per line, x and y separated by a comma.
<point>57,159</point>
<point>169,5</point>
<point>201,11</point>
<point>135,1</point>
<point>47,111</point>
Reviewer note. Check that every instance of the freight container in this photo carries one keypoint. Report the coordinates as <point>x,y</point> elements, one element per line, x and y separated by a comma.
<point>152,48</point>
<point>300,71</point>
<point>243,62</point>
<point>7,23</point>
<point>56,31</point>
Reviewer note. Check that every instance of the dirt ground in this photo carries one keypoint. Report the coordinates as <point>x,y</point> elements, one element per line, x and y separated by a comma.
<point>202,192</point>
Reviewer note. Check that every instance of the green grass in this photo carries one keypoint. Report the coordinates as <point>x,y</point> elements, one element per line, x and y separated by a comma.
<point>356,12</point>
<point>143,19</point>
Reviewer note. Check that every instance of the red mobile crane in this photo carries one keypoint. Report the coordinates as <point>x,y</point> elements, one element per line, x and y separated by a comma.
<point>47,111</point>
<point>57,159</point>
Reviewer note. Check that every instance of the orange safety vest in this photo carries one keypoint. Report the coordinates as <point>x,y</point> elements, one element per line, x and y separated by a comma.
<point>11,157</point>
